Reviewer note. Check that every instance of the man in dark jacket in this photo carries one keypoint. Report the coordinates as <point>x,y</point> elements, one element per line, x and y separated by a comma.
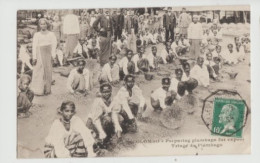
<point>118,24</point>
<point>169,23</point>
<point>105,23</point>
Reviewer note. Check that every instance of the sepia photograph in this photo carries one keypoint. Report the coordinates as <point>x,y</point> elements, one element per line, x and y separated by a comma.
<point>129,82</point>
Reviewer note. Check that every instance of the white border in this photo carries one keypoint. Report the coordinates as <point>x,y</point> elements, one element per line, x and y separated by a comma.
<point>8,10</point>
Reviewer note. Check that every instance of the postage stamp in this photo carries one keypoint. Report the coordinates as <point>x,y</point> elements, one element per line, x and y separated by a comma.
<point>228,117</point>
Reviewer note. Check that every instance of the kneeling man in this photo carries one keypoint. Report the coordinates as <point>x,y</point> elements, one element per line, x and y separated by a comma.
<point>163,97</point>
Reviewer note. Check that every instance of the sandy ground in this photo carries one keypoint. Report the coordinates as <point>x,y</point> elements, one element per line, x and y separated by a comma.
<point>33,130</point>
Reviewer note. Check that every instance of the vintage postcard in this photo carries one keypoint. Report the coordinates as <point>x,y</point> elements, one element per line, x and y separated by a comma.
<point>114,82</point>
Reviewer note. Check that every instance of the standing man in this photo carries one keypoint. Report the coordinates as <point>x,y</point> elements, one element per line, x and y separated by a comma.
<point>129,28</point>
<point>195,34</point>
<point>103,25</point>
<point>71,31</point>
<point>91,20</point>
<point>118,23</point>
<point>184,21</point>
<point>169,23</point>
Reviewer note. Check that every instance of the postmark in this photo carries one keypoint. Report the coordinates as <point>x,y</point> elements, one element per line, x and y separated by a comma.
<point>225,112</point>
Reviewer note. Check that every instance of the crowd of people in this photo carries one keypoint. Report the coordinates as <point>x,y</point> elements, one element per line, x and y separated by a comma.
<point>118,43</point>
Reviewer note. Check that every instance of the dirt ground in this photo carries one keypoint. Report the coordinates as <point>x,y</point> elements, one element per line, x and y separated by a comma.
<point>33,130</point>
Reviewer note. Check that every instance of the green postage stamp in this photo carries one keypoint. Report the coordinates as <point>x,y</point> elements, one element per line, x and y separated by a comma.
<point>228,117</point>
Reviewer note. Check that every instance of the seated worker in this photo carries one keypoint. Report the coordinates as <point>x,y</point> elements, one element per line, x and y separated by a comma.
<point>210,64</point>
<point>163,97</point>
<point>131,98</point>
<point>141,63</point>
<point>240,52</point>
<point>81,49</point>
<point>230,57</point>
<point>190,82</point>
<point>93,49</point>
<point>220,33</point>
<point>182,85</point>
<point>184,42</point>
<point>160,36</point>
<point>103,117</point>
<point>60,54</point>
<point>166,54</point>
<point>153,59</point>
<point>126,65</point>
<point>120,44</point>
<point>214,38</point>
<point>200,72</point>
<point>68,135</point>
<point>179,47</point>
<point>110,71</point>
<point>25,55</point>
<point>217,52</point>
<point>205,37</point>
<point>24,96</point>
<point>79,79</point>
<point>246,45</point>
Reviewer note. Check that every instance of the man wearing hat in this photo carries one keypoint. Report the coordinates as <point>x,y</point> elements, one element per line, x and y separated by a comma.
<point>163,97</point>
<point>131,98</point>
<point>103,24</point>
<point>169,23</point>
<point>195,35</point>
<point>104,114</point>
<point>79,80</point>
<point>110,71</point>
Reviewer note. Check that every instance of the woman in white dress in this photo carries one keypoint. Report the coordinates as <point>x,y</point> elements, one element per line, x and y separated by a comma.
<point>44,46</point>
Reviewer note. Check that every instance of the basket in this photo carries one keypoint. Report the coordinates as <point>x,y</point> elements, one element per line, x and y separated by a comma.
<point>148,76</point>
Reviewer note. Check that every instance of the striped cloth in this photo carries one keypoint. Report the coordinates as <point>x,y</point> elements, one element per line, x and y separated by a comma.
<point>74,143</point>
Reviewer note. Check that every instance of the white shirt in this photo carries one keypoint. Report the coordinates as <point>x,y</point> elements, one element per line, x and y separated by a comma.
<point>160,94</point>
<point>174,86</point>
<point>135,59</point>
<point>123,64</point>
<point>107,71</point>
<point>99,109</point>
<point>230,57</point>
<point>40,39</point>
<point>59,54</point>
<point>71,77</point>
<point>174,46</point>
<point>163,55</point>
<point>150,58</point>
<point>92,20</point>
<point>195,31</point>
<point>200,74</point>
<point>25,57</point>
<point>71,24</point>
<point>123,95</point>
<point>78,49</point>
